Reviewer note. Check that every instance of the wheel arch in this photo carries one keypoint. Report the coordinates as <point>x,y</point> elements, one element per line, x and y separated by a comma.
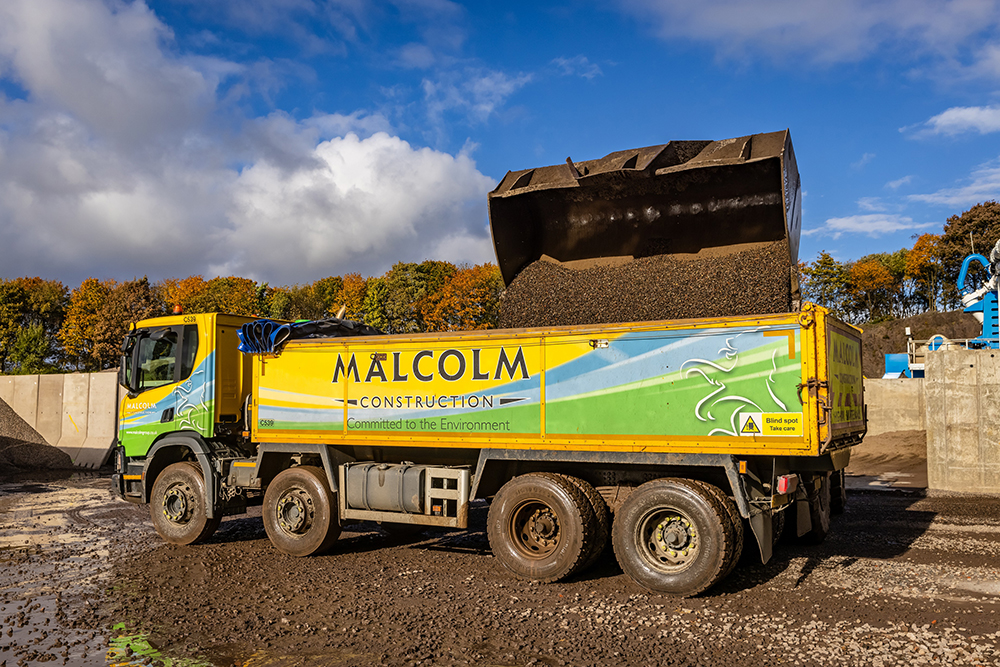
<point>176,447</point>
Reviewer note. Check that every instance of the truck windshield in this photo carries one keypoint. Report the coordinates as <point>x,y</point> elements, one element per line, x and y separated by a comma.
<point>157,359</point>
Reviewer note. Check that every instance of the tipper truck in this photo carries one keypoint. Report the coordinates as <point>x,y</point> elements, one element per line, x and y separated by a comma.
<point>664,438</point>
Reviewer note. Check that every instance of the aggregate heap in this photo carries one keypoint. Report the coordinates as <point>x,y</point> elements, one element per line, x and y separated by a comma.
<point>749,279</point>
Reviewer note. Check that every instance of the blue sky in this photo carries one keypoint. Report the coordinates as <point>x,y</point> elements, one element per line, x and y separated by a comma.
<point>287,140</point>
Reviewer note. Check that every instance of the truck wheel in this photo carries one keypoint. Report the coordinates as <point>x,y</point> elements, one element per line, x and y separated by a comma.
<point>735,520</point>
<point>299,512</point>
<point>540,527</point>
<point>177,505</point>
<point>838,492</point>
<point>673,536</point>
<point>602,520</point>
<point>819,510</point>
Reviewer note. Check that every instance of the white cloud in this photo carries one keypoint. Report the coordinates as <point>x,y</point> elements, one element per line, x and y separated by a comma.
<point>577,66</point>
<point>828,31</point>
<point>477,93</point>
<point>873,225</point>
<point>871,204</point>
<point>983,185</point>
<point>959,120</point>
<point>899,182</point>
<point>361,204</point>
<point>123,161</point>
<point>863,160</point>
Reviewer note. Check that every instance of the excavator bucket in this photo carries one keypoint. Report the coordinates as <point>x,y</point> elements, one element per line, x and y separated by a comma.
<point>676,198</point>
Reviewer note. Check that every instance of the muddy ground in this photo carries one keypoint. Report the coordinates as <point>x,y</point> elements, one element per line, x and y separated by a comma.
<point>902,579</point>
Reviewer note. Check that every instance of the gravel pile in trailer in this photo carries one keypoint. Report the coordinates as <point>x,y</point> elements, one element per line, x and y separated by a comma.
<point>717,282</point>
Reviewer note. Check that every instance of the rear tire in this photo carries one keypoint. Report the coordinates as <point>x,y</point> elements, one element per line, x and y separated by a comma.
<point>177,505</point>
<point>673,536</point>
<point>735,520</point>
<point>299,512</point>
<point>540,527</point>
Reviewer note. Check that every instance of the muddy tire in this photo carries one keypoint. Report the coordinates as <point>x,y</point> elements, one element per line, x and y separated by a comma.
<point>300,513</point>
<point>541,527</point>
<point>177,505</point>
<point>838,492</point>
<point>673,536</point>
<point>735,520</point>
<point>601,530</point>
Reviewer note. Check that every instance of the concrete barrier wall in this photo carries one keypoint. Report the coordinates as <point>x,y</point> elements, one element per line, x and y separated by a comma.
<point>895,405</point>
<point>962,394</point>
<point>76,412</point>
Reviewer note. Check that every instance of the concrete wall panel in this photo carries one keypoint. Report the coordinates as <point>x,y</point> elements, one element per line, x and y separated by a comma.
<point>49,413</point>
<point>961,395</point>
<point>101,420</point>
<point>25,398</point>
<point>7,388</point>
<point>76,408</point>
<point>895,405</point>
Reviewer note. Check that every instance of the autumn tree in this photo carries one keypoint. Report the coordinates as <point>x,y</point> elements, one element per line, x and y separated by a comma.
<point>468,300</point>
<point>351,296</point>
<point>232,294</point>
<point>186,293</point>
<point>327,290</point>
<point>923,266</point>
<point>125,304</point>
<point>871,287</point>
<point>407,287</point>
<point>78,333</point>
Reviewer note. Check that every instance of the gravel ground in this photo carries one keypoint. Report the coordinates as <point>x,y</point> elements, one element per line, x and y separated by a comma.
<point>901,580</point>
<point>22,448</point>
<point>741,280</point>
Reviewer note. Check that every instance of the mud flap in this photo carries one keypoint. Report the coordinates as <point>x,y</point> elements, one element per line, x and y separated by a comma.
<point>762,525</point>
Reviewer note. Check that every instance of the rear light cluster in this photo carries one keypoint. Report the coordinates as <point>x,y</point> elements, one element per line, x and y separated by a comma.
<point>787,484</point>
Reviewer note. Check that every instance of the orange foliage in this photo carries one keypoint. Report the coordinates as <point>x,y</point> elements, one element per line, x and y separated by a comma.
<point>467,300</point>
<point>352,295</point>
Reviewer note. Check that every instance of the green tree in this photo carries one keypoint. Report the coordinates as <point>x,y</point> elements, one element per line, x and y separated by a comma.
<point>32,351</point>
<point>13,305</point>
<point>374,304</point>
<point>407,287</point>
<point>327,290</point>
<point>825,282</point>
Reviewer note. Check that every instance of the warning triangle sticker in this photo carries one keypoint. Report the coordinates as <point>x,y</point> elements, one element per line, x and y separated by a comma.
<point>750,427</point>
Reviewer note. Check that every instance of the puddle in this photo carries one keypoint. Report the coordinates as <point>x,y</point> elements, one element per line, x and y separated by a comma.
<point>56,545</point>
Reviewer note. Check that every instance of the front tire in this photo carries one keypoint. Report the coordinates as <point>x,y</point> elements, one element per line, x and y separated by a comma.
<point>177,505</point>
<point>673,536</point>
<point>540,527</point>
<point>299,512</point>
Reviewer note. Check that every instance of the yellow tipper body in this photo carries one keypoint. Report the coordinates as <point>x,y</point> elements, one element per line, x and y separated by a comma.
<point>787,384</point>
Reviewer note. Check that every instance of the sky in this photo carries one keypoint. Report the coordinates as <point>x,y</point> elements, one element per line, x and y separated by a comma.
<point>288,140</point>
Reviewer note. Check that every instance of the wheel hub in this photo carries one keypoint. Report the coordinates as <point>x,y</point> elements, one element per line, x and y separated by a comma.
<point>293,516</point>
<point>543,527</point>
<point>535,528</point>
<point>175,504</point>
<point>673,542</point>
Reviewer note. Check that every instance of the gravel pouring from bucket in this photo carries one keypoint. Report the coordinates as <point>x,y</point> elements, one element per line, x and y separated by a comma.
<point>679,198</point>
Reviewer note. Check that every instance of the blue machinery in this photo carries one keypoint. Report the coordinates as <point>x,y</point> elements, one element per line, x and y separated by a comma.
<point>981,303</point>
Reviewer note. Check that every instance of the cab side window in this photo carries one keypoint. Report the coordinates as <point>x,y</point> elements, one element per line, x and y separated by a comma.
<point>157,359</point>
<point>190,351</point>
